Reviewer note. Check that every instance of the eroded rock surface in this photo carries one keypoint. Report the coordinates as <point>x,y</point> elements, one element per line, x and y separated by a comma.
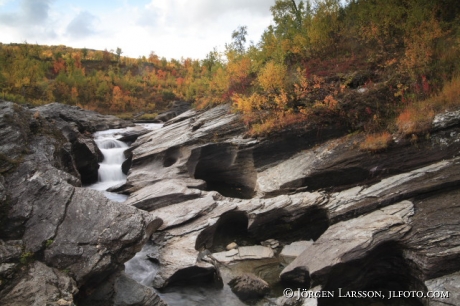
<point>213,187</point>
<point>57,238</point>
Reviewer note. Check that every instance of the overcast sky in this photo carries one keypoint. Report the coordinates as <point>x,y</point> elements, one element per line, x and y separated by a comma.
<point>170,28</point>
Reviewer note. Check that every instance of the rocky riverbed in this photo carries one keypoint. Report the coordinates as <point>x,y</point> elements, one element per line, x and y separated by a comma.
<point>211,206</point>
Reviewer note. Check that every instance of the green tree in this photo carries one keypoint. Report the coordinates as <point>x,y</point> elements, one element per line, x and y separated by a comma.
<point>118,52</point>
<point>239,39</point>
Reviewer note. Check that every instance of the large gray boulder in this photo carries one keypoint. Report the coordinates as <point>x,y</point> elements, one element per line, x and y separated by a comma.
<point>96,236</point>
<point>249,287</point>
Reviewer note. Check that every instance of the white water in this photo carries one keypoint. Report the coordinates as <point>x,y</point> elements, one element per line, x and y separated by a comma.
<point>110,173</point>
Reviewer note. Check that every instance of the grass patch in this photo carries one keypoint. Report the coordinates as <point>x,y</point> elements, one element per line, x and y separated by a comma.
<point>376,142</point>
<point>148,116</point>
<point>26,258</point>
<point>125,116</point>
<point>417,117</point>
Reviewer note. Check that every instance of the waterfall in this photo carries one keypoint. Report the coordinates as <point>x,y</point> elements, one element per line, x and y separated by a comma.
<point>110,168</point>
<point>110,173</point>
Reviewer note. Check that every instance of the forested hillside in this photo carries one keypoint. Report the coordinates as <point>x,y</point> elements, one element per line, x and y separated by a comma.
<point>374,65</point>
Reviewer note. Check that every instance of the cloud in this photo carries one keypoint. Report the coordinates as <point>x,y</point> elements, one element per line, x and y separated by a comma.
<point>82,25</point>
<point>35,12</point>
<point>31,19</point>
<point>201,25</point>
<point>199,13</point>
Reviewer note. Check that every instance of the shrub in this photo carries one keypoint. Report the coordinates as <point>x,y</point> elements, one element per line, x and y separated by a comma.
<point>417,117</point>
<point>376,142</point>
<point>414,121</point>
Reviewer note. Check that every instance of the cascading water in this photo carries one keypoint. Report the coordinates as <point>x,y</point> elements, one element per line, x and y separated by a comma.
<point>110,173</point>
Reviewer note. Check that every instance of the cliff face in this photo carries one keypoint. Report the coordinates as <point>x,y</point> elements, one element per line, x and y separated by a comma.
<point>384,221</point>
<point>57,238</point>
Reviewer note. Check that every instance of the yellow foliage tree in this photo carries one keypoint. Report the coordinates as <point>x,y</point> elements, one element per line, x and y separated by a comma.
<point>272,77</point>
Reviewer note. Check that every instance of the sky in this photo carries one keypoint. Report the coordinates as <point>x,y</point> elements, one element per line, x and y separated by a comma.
<point>170,28</point>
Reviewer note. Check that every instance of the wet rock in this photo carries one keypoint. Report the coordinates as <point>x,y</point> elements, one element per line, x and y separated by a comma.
<point>198,147</point>
<point>50,219</point>
<point>360,200</point>
<point>40,285</point>
<point>349,240</point>
<point>249,287</point>
<point>180,262</point>
<point>87,156</point>
<point>291,251</point>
